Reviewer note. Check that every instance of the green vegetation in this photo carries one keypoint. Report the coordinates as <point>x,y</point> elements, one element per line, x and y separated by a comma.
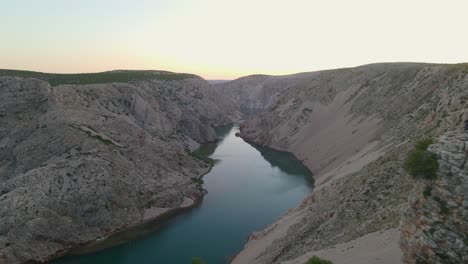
<point>95,78</point>
<point>198,261</point>
<point>421,163</point>
<point>98,137</point>
<point>317,260</point>
<point>197,180</point>
<point>443,205</point>
<point>199,155</point>
<point>423,144</point>
<point>427,191</point>
<point>445,258</point>
<point>419,260</point>
<point>459,67</point>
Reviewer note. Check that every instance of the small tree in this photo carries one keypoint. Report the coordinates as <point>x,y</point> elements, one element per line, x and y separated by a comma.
<point>421,163</point>
<point>317,260</point>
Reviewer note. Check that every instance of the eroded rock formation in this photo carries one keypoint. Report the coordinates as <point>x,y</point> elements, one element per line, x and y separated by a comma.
<point>78,162</point>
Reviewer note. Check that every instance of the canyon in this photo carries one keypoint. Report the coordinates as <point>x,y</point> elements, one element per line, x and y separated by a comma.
<point>82,161</point>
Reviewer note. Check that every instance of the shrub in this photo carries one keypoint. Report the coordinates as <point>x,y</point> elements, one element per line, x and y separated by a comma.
<point>421,163</point>
<point>427,191</point>
<point>317,260</point>
<point>423,144</point>
<point>198,261</point>
<point>442,204</point>
<point>197,180</point>
<point>419,260</point>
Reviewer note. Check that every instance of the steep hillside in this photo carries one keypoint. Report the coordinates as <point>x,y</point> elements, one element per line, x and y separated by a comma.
<point>78,162</point>
<point>353,127</point>
<point>255,93</point>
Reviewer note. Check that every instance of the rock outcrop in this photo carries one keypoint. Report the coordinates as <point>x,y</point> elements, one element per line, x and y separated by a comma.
<point>352,128</point>
<point>435,225</point>
<point>79,162</point>
<point>254,94</point>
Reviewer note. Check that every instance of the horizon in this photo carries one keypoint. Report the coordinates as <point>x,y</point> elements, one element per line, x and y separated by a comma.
<point>224,40</point>
<point>239,77</point>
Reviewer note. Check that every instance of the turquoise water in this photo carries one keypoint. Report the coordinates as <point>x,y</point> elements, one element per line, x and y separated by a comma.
<point>248,188</point>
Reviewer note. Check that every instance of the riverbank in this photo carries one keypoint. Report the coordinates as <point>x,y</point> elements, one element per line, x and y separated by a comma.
<point>319,208</point>
<point>249,187</point>
<point>120,235</point>
<point>138,230</point>
<point>153,219</point>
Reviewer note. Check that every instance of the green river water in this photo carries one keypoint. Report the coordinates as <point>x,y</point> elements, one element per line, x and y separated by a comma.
<point>248,188</point>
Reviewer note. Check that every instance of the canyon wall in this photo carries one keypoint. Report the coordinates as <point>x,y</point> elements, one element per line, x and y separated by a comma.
<point>254,94</point>
<point>79,162</point>
<point>353,127</point>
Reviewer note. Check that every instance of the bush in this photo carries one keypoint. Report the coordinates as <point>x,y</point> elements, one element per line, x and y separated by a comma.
<point>317,260</point>
<point>197,180</point>
<point>443,205</point>
<point>198,261</point>
<point>427,191</point>
<point>201,157</point>
<point>421,163</point>
<point>423,144</point>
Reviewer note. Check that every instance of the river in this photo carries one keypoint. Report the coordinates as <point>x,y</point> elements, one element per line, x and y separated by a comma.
<point>248,188</point>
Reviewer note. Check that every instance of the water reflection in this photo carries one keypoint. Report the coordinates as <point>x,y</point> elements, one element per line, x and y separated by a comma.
<point>285,161</point>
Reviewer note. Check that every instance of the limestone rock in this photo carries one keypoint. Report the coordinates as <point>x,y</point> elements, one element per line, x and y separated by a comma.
<point>435,225</point>
<point>78,162</point>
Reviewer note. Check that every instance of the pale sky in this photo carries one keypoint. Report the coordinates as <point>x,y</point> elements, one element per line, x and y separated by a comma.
<point>220,39</point>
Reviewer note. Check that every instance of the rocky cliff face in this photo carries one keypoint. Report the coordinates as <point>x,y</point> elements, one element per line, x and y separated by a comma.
<point>353,128</point>
<point>435,225</point>
<point>337,113</point>
<point>78,162</point>
<point>254,94</point>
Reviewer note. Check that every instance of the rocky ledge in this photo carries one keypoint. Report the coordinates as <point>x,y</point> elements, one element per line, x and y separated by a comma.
<point>435,226</point>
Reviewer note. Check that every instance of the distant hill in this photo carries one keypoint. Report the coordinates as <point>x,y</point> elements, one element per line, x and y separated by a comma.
<point>56,79</point>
